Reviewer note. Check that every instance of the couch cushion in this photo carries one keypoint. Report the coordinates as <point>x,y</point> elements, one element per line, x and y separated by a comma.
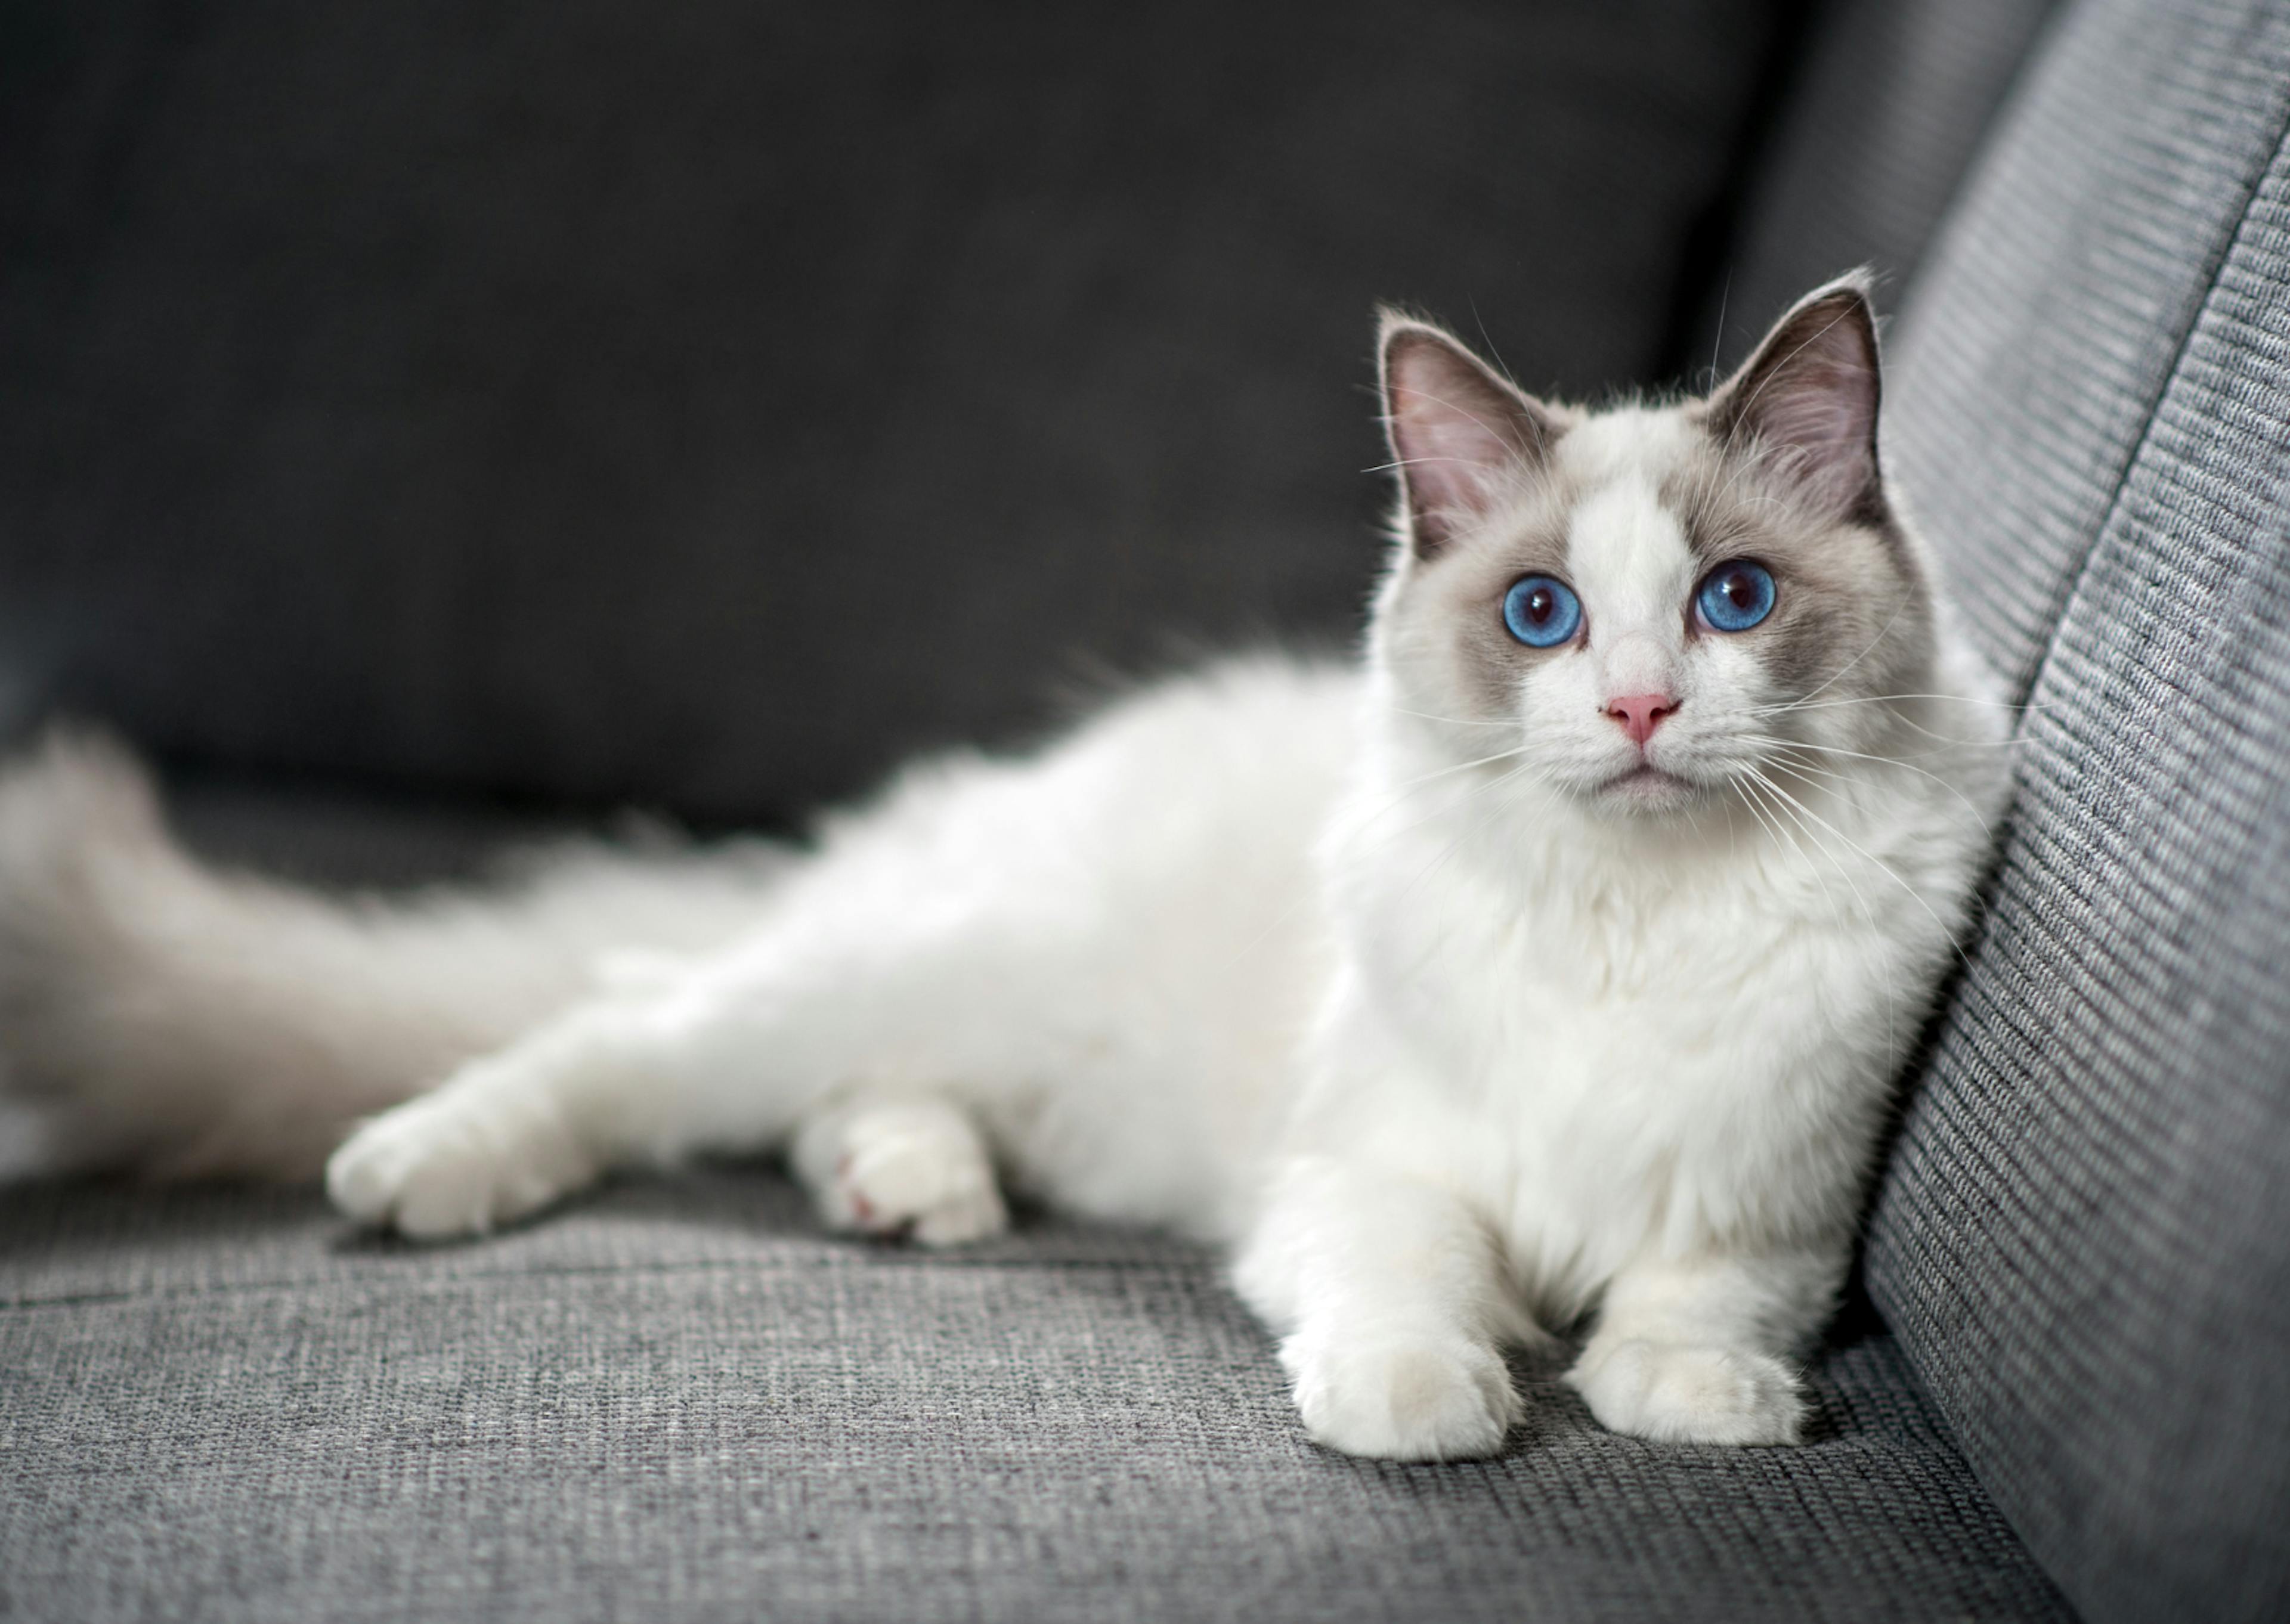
<point>678,1401</point>
<point>2084,1239</point>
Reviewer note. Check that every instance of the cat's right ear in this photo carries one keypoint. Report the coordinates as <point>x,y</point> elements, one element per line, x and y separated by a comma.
<point>1461,434</point>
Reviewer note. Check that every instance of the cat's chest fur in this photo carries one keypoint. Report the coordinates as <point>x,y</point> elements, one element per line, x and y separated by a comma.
<point>1608,1051</point>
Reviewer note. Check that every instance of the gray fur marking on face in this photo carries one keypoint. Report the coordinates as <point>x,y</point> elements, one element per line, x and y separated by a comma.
<point>1831,578</point>
<point>1777,466</point>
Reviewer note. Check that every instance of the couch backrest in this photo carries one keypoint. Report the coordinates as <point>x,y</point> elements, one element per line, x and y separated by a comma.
<point>2084,1235</point>
<point>712,403</point>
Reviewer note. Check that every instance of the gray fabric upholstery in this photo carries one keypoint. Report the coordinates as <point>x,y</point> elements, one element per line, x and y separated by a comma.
<point>678,1401</point>
<point>710,404</point>
<point>359,835</point>
<point>2029,356</point>
<point>1893,102</point>
<point>329,836</point>
<point>2084,1240</point>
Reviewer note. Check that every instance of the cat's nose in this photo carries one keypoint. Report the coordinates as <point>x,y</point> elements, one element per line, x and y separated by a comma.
<point>1640,714</point>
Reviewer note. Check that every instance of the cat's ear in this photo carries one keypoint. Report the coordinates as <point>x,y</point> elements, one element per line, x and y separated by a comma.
<point>1460,432</point>
<point>1809,399</point>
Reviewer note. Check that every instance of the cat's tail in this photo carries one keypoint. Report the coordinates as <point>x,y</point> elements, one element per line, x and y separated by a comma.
<point>161,1015</point>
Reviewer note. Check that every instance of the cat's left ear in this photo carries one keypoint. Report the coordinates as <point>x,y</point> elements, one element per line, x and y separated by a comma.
<point>1810,396</point>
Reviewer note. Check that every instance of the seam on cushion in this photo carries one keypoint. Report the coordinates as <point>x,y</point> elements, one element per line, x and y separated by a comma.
<point>2073,586</point>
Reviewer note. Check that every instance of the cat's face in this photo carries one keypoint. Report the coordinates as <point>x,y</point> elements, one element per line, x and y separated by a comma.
<point>1644,609</point>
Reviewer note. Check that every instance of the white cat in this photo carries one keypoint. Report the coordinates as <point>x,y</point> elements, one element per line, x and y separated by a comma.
<point>1556,958</point>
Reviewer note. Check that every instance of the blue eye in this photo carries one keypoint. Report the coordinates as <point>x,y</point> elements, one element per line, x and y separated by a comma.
<point>1541,612</point>
<point>1735,596</point>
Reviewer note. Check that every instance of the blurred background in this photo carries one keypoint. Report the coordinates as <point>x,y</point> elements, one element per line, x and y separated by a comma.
<point>704,405</point>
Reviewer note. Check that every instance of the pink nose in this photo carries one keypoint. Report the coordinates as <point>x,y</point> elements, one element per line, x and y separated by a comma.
<point>1640,714</point>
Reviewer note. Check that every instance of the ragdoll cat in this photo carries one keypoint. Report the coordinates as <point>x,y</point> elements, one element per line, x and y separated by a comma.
<point>1554,959</point>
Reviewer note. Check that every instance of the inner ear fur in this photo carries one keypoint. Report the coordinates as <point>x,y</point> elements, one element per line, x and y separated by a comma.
<point>1809,399</point>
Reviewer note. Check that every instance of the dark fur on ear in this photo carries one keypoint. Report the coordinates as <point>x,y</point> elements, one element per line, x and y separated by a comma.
<point>1809,399</point>
<point>1460,432</point>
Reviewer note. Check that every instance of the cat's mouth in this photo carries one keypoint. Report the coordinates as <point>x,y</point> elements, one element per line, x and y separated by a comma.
<point>1647,787</point>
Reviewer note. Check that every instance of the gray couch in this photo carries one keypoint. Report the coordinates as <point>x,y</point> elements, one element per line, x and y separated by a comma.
<point>2061,1387</point>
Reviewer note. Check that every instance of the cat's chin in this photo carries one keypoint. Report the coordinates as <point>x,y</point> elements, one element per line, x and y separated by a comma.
<point>1645,790</point>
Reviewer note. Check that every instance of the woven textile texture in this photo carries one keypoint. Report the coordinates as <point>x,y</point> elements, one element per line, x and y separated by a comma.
<point>679,1401</point>
<point>2084,1240</point>
<point>1888,115</point>
<point>2031,353</point>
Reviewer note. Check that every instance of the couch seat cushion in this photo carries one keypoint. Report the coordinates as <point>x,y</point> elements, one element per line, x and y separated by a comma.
<point>680,1400</point>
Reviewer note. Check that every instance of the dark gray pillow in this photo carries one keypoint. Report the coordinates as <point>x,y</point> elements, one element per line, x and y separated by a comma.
<point>710,403</point>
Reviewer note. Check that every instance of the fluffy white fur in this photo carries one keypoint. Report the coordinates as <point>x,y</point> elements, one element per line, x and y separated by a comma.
<point>1458,1013</point>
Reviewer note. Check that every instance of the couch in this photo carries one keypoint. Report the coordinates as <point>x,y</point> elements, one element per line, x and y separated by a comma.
<point>395,443</point>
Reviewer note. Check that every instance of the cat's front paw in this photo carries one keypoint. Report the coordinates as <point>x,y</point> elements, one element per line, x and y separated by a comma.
<point>1677,1394</point>
<point>448,1164</point>
<point>1402,1398</point>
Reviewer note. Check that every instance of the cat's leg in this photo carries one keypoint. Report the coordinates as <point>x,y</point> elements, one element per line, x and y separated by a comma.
<point>1699,1351</point>
<point>1391,1310</point>
<point>513,1130</point>
<point>900,1165</point>
<point>732,1056</point>
<point>727,1057</point>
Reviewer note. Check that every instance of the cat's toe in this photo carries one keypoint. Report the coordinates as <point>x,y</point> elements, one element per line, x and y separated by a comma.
<point>437,1168</point>
<point>1678,1394</point>
<point>922,1174</point>
<point>958,1222</point>
<point>1402,1400</point>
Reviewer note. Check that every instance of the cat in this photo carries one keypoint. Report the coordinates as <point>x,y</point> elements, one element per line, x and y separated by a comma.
<point>1550,964</point>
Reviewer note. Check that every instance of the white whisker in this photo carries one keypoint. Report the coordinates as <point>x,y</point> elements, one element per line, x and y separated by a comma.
<point>1867,912</point>
<point>1880,862</point>
<point>1786,745</point>
<point>1862,655</point>
<point>1453,721</point>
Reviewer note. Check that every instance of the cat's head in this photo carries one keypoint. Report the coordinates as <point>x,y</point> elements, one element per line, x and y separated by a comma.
<point>1642,608</point>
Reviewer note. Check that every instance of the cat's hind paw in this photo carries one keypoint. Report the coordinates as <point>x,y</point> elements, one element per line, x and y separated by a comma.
<point>910,1167</point>
<point>1402,1399</point>
<point>446,1164</point>
<point>1678,1394</point>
